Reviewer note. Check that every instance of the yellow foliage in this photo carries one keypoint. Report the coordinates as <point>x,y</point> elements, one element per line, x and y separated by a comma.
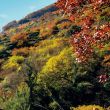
<point>89,107</point>
<point>13,62</point>
<point>54,63</point>
<point>23,87</point>
<point>46,49</point>
<point>44,34</point>
<point>1,47</point>
<point>51,46</point>
<point>64,25</point>
<point>58,69</point>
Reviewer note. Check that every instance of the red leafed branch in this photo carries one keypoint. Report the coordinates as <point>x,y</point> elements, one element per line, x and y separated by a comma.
<point>84,41</point>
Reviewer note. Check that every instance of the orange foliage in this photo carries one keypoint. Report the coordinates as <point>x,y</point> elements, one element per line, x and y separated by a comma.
<point>106,61</point>
<point>34,29</point>
<point>23,26</point>
<point>20,52</point>
<point>19,38</point>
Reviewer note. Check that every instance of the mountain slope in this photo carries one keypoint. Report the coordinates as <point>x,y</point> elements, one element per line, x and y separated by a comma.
<point>32,16</point>
<point>39,59</point>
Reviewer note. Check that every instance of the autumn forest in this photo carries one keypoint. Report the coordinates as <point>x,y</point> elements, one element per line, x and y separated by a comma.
<point>57,58</point>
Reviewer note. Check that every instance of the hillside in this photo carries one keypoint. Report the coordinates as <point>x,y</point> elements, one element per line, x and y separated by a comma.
<point>57,58</point>
<point>33,16</point>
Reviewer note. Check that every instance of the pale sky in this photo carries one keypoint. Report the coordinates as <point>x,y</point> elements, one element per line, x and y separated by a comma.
<point>16,9</point>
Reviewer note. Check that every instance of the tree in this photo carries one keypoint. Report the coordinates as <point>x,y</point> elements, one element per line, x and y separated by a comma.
<point>83,42</point>
<point>58,70</point>
<point>87,43</point>
<point>19,39</point>
<point>20,100</point>
<point>31,74</point>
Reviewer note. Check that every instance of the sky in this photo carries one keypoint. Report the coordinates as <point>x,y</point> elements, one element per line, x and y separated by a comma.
<point>17,9</point>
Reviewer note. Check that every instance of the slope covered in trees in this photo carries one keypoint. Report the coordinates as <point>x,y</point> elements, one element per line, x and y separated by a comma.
<point>58,63</point>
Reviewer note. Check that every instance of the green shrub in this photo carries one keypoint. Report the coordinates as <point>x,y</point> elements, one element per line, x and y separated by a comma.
<point>20,101</point>
<point>58,69</point>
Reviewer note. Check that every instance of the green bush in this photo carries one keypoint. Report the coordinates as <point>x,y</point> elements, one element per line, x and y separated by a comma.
<point>58,69</point>
<point>20,101</point>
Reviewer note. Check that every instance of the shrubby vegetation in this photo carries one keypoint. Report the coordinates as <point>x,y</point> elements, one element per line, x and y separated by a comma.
<point>58,70</point>
<point>13,62</point>
<point>20,101</point>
